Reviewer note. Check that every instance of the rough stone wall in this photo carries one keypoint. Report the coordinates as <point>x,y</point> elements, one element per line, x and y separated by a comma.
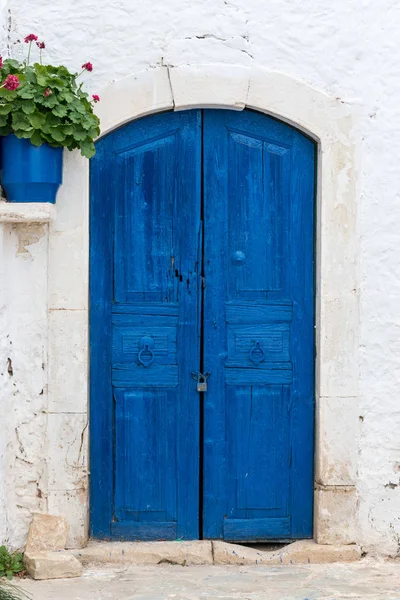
<point>348,49</point>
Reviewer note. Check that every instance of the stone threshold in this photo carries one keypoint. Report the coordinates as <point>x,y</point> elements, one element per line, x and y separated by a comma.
<point>211,553</point>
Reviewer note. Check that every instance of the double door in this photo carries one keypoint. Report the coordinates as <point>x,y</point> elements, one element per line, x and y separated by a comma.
<point>201,263</point>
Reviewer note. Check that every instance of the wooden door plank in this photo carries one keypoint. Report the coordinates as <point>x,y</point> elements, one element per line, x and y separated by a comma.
<point>100,299</point>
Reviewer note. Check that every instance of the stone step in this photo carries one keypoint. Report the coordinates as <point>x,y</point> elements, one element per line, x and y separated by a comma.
<point>206,552</point>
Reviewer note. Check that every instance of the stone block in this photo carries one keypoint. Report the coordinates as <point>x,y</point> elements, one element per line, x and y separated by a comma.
<point>296,102</point>
<point>47,532</point>
<point>209,86</point>
<point>132,97</point>
<point>52,565</point>
<point>67,451</point>
<point>337,346</point>
<point>147,553</point>
<point>235,554</point>
<point>301,553</point>
<point>336,441</point>
<point>68,362</point>
<point>305,552</point>
<point>74,505</point>
<point>68,269</point>
<point>335,516</point>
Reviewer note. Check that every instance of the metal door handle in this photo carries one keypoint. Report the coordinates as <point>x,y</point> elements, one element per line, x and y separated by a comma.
<point>146,354</point>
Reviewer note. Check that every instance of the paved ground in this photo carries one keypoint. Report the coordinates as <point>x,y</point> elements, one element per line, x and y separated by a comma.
<point>358,581</point>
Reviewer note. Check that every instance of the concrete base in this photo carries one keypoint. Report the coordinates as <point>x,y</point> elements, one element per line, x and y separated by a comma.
<point>211,552</point>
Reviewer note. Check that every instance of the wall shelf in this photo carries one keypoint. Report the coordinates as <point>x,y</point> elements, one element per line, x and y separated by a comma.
<point>27,212</point>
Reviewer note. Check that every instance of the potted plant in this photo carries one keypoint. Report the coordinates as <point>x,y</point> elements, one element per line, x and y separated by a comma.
<point>43,109</point>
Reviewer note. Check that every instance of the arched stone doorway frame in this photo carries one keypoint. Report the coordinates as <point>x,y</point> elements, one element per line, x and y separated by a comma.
<point>330,122</point>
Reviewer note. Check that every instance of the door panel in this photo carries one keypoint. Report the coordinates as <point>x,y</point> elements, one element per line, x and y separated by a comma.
<point>258,328</point>
<point>152,311</point>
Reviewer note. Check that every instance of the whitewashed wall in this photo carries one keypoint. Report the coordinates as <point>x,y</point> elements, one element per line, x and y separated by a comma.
<point>349,49</point>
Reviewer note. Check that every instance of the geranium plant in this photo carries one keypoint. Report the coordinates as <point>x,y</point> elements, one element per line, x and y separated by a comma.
<point>46,104</point>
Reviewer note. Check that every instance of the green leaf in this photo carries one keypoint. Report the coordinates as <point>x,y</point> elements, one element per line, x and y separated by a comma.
<point>80,134</point>
<point>60,110</point>
<point>8,94</point>
<point>28,107</point>
<point>88,149</point>
<point>36,138</point>
<point>75,117</point>
<point>67,96</point>
<point>27,92</point>
<point>20,121</point>
<point>68,129</point>
<point>24,133</point>
<point>22,79</point>
<point>5,109</point>
<point>37,120</point>
<point>78,106</point>
<point>12,63</point>
<point>3,120</point>
<point>57,83</point>
<point>52,120</point>
<point>50,101</point>
<point>57,134</point>
<point>30,75</point>
<point>9,575</point>
<point>42,74</point>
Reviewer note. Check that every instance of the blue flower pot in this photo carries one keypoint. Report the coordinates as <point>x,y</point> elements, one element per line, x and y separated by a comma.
<point>30,173</point>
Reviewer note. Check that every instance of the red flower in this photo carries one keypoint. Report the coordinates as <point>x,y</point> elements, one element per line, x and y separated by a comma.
<point>88,66</point>
<point>11,83</point>
<point>1,62</point>
<point>96,98</point>
<point>30,38</point>
<point>41,45</point>
<point>47,92</point>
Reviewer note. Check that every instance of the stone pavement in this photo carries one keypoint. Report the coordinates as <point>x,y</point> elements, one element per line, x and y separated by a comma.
<point>365,580</point>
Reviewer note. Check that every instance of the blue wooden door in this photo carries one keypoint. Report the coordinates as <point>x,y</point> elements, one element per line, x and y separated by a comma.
<point>145,256</point>
<point>258,328</point>
<point>202,260</point>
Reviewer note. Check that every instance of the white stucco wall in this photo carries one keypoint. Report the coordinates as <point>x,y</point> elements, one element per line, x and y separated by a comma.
<point>347,49</point>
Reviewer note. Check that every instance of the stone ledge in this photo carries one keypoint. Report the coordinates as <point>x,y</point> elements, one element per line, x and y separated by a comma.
<point>212,552</point>
<point>27,212</point>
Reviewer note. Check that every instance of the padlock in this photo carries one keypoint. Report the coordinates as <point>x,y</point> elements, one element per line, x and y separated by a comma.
<point>201,384</point>
<point>201,379</point>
